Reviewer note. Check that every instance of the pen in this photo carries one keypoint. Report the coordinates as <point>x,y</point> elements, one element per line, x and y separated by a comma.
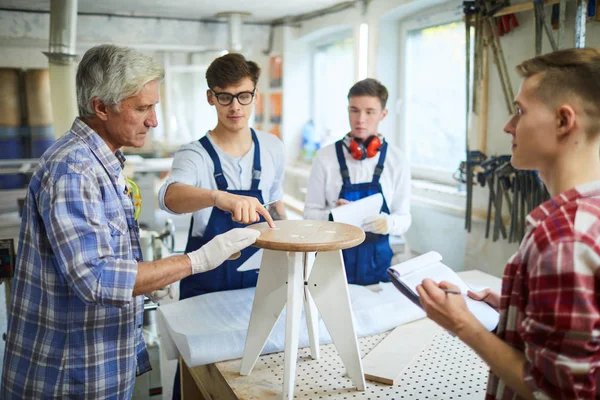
<point>449,291</point>
<point>269,203</point>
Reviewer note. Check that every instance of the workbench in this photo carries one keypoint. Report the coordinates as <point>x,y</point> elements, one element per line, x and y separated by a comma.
<point>446,369</point>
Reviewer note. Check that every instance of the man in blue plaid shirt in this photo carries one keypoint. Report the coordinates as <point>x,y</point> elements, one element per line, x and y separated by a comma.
<point>75,318</point>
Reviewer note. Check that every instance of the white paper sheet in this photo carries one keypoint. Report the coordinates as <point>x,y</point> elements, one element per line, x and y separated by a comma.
<point>355,212</point>
<point>212,327</point>
<point>252,263</point>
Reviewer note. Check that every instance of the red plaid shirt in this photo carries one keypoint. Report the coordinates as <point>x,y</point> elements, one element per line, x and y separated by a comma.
<point>550,302</point>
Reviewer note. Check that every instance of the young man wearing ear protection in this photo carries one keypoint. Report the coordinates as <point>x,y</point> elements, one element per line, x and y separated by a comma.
<point>359,165</point>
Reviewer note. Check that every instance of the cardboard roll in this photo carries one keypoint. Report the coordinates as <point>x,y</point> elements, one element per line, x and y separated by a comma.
<point>10,103</point>
<point>39,105</point>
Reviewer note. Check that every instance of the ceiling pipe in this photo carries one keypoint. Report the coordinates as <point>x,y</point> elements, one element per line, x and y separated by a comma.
<point>63,31</point>
<point>235,29</point>
<point>61,55</point>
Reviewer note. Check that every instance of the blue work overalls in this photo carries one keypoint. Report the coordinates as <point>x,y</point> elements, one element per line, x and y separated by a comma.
<point>225,277</point>
<point>368,262</point>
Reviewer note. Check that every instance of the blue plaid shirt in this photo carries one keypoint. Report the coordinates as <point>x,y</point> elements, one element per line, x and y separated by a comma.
<point>74,326</point>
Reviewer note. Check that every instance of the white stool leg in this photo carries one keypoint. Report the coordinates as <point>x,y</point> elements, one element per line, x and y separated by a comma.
<point>329,289</point>
<point>295,295</point>
<point>269,299</point>
<point>310,309</point>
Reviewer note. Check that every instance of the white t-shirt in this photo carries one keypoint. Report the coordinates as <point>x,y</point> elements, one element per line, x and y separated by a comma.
<point>193,166</point>
<point>325,183</point>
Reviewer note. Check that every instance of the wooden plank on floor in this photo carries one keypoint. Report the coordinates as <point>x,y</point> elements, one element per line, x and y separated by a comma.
<point>386,362</point>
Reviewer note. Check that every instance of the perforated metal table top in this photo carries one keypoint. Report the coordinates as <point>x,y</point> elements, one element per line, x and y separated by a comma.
<point>446,369</point>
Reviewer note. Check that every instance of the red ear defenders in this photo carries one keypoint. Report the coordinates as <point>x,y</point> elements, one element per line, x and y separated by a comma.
<point>359,149</point>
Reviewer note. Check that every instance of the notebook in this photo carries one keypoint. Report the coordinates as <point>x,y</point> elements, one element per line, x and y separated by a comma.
<point>408,275</point>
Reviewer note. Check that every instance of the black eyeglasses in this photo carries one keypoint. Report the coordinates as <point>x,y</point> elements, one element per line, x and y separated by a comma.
<point>225,99</point>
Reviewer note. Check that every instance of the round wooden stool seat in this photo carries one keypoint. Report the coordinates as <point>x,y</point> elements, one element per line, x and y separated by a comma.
<point>307,236</point>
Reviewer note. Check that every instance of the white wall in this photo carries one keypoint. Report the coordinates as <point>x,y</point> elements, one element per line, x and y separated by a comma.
<point>296,88</point>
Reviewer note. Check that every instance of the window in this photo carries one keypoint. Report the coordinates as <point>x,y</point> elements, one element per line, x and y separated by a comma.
<point>189,115</point>
<point>434,108</point>
<point>333,75</point>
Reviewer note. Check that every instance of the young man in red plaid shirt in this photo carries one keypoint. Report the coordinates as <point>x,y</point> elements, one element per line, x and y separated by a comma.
<point>547,343</point>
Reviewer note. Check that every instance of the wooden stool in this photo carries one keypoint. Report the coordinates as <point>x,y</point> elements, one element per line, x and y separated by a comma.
<point>321,286</point>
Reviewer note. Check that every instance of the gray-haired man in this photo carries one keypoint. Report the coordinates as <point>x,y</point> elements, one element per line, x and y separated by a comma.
<point>75,320</point>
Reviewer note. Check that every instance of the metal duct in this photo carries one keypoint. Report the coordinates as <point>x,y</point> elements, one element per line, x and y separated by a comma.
<point>63,30</point>
<point>235,29</point>
<point>61,53</point>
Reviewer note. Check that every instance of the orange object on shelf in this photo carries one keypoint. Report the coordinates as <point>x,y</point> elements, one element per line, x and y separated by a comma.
<point>275,64</point>
<point>275,107</point>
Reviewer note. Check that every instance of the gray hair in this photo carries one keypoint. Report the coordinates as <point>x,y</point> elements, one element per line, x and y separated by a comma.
<point>112,73</point>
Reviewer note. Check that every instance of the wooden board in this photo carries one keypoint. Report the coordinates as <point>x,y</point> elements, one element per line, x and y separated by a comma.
<point>517,8</point>
<point>307,236</point>
<point>388,360</point>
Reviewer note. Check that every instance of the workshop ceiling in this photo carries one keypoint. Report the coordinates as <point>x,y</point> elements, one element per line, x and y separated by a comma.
<point>260,10</point>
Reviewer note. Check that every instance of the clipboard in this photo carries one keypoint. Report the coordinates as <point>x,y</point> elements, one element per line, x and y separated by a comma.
<point>407,275</point>
<point>355,212</point>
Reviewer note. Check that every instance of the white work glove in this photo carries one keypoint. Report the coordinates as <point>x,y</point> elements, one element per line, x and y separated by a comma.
<point>158,295</point>
<point>379,224</point>
<point>220,248</point>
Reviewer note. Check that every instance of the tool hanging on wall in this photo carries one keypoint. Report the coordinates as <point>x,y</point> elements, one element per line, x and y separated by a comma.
<point>489,9</point>
<point>580,20</point>
<point>487,176</point>
<point>506,23</point>
<point>542,23</point>
<point>474,159</point>
<point>469,10</point>
<point>559,12</point>
<point>517,192</point>
<point>480,14</point>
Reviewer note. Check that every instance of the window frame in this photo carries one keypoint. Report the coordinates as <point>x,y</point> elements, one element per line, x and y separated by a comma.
<point>424,19</point>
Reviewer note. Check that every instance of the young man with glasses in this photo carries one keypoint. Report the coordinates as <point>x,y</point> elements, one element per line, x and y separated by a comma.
<point>224,177</point>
